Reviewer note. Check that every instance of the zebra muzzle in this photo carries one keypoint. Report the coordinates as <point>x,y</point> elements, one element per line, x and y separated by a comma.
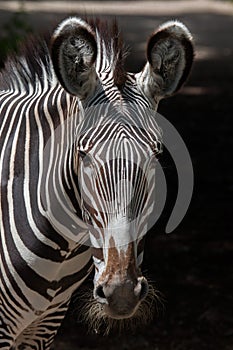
<point>121,300</point>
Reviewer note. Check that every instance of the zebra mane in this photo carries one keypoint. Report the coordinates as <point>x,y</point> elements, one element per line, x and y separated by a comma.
<point>110,47</point>
<point>30,65</point>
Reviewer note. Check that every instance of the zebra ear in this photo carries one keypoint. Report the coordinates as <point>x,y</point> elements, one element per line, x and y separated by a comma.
<point>170,56</point>
<point>73,51</point>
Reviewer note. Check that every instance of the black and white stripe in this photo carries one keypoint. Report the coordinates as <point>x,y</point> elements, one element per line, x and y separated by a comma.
<point>46,136</point>
<point>40,266</point>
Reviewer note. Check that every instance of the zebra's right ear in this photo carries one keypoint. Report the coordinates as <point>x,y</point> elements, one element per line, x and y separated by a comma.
<point>169,60</point>
<point>74,51</point>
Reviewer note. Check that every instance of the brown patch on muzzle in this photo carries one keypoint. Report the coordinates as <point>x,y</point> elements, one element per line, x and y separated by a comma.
<point>120,289</point>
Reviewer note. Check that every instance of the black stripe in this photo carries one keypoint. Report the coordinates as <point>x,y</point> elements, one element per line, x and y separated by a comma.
<point>70,280</point>
<point>11,280</point>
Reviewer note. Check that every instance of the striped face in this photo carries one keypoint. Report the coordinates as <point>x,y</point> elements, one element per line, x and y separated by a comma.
<point>116,172</point>
<point>116,144</point>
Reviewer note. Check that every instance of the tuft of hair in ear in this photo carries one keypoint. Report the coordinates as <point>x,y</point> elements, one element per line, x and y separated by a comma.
<point>170,51</point>
<point>170,56</point>
<point>74,51</point>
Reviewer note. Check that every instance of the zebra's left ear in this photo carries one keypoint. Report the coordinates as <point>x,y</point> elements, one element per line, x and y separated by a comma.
<point>170,56</point>
<point>73,51</point>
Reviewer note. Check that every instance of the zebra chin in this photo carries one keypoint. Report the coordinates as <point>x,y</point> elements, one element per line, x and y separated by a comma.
<point>103,319</point>
<point>119,315</point>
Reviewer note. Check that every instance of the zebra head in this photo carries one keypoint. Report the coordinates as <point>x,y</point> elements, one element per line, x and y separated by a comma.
<point>116,146</point>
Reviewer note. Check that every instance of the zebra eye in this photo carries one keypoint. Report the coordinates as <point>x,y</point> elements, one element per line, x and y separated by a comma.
<point>86,159</point>
<point>81,154</point>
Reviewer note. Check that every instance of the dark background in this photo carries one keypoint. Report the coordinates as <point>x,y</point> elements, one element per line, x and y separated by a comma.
<point>193,266</point>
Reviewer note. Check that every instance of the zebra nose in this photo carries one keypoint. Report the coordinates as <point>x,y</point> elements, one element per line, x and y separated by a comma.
<point>99,293</point>
<point>121,300</point>
<point>140,291</point>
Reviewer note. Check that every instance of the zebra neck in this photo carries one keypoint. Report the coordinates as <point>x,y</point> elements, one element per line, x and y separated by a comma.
<point>60,198</point>
<point>57,185</point>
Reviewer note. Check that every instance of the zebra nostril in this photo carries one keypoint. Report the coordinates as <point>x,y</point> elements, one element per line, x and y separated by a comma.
<point>144,290</point>
<point>99,292</point>
<point>141,289</point>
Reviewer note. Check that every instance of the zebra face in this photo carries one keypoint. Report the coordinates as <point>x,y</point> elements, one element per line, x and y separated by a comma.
<point>116,180</point>
<point>117,141</point>
<point>116,172</point>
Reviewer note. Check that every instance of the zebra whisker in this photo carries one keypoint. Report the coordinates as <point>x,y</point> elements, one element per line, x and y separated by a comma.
<point>92,313</point>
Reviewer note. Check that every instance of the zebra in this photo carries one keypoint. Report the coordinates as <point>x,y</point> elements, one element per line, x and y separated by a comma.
<point>79,143</point>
